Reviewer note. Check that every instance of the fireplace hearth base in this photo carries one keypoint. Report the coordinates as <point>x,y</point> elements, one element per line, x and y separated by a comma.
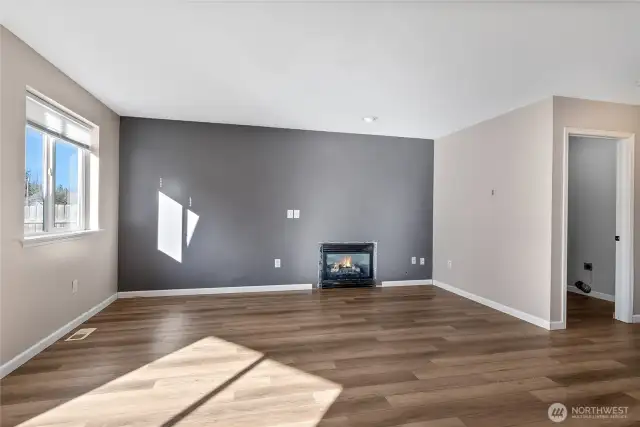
<point>347,284</point>
<point>346,265</point>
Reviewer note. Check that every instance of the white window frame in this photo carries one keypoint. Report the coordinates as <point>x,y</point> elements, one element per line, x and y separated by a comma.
<point>49,145</point>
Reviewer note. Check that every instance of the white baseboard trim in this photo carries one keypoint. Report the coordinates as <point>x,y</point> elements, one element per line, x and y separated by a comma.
<point>557,325</point>
<point>32,351</point>
<point>215,291</point>
<point>392,283</point>
<point>592,294</point>
<point>497,306</point>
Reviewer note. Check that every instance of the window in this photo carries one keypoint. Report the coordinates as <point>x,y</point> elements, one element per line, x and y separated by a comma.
<point>56,155</point>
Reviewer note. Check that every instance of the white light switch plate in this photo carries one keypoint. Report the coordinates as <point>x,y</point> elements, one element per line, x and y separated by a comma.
<point>421,261</point>
<point>296,213</point>
<point>290,213</point>
<point>413,260</point>
<point>277,263</point>
<point>74,286</point>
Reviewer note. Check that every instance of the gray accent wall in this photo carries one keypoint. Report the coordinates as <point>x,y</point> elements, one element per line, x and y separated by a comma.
<point>592,213</point>
<point>242,180</point>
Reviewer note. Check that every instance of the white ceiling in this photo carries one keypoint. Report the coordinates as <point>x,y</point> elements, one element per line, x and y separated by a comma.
<point>425,69</point>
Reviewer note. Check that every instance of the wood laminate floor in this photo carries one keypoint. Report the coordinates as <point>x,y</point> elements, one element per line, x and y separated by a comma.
<point>407,356</point>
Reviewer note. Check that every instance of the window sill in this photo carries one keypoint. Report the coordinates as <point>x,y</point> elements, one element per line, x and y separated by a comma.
<point>50,238</point>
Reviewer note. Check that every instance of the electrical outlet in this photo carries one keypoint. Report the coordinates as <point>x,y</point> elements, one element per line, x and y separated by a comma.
<point>588,266</point>
<point>449,264</point>
<point>296,213</point>
<point>413,260</point>
<point>289,213</point>
<point>74,286</point>
<point>277,263</point>
<point>421,261</point>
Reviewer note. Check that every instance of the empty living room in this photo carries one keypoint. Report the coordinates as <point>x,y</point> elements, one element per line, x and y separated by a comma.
<point>267,213</point>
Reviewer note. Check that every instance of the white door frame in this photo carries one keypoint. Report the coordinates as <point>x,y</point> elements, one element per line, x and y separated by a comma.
<point>624,218</point>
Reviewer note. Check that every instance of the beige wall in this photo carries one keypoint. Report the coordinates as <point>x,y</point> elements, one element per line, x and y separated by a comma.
<point>583,114</point>
<point>35,287</point>
<point>1,203</point>
<point>500,245</point>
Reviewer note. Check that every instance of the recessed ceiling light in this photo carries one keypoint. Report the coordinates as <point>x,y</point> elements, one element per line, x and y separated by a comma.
<point>370,119</point>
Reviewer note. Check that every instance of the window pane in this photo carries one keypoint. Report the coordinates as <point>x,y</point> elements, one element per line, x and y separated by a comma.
<point>67,187</point>
<point>34,181</point>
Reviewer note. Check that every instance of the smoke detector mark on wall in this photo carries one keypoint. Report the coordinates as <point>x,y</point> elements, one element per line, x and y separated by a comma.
<point>80,334</point>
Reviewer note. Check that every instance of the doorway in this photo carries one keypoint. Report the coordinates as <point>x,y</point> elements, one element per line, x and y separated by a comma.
<point>598,225</point>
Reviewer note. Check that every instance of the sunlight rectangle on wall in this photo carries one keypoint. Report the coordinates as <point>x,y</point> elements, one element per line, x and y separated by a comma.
<point>192,221</point>
<point>169,227</point>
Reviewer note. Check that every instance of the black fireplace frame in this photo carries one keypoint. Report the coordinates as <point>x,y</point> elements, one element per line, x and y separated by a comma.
<point>347,247</point>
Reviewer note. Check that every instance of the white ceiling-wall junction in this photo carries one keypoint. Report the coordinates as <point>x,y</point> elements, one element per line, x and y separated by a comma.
<point>425,69</point>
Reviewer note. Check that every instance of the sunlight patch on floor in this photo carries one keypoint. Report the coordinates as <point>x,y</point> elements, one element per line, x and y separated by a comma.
<point>212,382</point>
<point>271,394</point>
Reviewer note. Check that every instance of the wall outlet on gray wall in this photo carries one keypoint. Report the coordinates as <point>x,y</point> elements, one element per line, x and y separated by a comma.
<point>289,213</point>
<point>277,263</point>
<point>449,264</point>
<point>421,261</point>
<point>296,213</point>
<point>74,286</point>
<point>413,260</point>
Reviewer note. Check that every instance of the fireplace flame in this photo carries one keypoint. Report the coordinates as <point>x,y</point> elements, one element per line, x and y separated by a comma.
<point>343,263</point>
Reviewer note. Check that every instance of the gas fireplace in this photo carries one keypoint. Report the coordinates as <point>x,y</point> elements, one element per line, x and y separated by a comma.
<point>346,265</point>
